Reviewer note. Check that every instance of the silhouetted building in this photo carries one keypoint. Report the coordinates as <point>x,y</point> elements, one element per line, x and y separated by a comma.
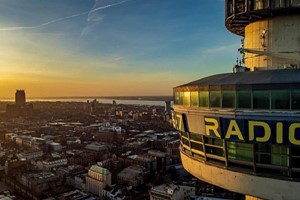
<point>20,108</point>
<point>168,106</point>
<point>20,98</point>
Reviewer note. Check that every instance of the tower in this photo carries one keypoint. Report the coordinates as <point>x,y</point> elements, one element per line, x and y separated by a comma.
<point>20,98</point>
<point>241,131</point>
<point>270,31</point>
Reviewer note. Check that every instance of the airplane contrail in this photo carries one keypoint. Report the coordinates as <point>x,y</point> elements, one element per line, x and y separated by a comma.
<point>17,28</point>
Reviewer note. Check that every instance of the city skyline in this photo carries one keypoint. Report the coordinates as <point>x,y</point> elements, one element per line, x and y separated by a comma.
<point>111,48</point>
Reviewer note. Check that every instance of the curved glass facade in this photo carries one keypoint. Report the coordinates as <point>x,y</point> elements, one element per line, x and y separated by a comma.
<point>260,159</point>
<point>282,98</point>
<point>272,159</point>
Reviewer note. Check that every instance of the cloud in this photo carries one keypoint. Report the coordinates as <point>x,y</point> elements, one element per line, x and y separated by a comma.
<point>18,28</point>
<point>119,58</point>
<point>221,48</point>
<point>107,6</point>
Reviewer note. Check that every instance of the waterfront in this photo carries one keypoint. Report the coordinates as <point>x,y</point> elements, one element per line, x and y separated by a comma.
<point>100,100</point>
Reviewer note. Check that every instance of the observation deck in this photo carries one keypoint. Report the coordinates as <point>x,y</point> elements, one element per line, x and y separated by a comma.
<point>240,13</point>
<point>241,131</point>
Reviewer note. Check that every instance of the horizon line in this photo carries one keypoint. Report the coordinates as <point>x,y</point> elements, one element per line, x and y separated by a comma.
<point>145,98</point>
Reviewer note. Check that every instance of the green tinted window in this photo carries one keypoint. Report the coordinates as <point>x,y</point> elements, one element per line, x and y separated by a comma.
<point>179,98</point>
<point>244,99</point>
<point>215,141</point>
<point>194,99</point>
<point>280,99</point>
<point>228,99</point>
<point>185,141</point>
<point>176,98</point>
<point>215,99</point>
<point>261,99</point>
<point>295,99</point>
<point>279,155</point>
<point>185,134</point>
<point>240,151</point>
<point>196,137</point>
<point>197,146</point>
<point>214,151</point>
<point>203,101</point>
<point>187,98</point>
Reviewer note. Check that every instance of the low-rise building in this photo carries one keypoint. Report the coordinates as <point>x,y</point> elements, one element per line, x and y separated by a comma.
<point>98,150</point>
<point>53,163</point>
<point>54,146</point>
<point>31,154</point>
<point>77,195</point>
<point>39,182</point>
<point>134,176</point>
<point>12,166</point>
<point>172,191</point>
<point>79,181</point>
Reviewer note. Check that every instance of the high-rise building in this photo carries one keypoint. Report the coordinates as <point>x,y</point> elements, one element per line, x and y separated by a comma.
<point>241,131</point>
<point>20,98</point>
<point>97,179</point>
<point>20,108</point>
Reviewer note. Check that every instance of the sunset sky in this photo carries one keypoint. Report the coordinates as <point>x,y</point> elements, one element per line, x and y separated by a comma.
<point>54,48</point>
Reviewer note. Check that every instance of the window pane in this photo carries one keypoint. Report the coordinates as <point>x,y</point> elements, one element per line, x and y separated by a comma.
<point>197,146</point>
<point>185,141</point>
<point>204,99</point>
<point>215,99</point>
<point>261,99</point>
<point>264,153</point>
<point>266,3</point>
<point>176,98</point>
<point>228,99</point>
<point>295,99</point>
<point>296,3</point>
<point>215,141</point>
<point>244,99</point>
<point>214,151</point>
<point>196,137</point>
<point>276,3</point>
<point>258,4</point>
<point>194,99</point>
<point>179,98</point>
<point>240,151</point>
<point>295,156</point>
<point>280,99</point>
<point>186,98</point>
<point>279,155</point>
<point>185,134</point>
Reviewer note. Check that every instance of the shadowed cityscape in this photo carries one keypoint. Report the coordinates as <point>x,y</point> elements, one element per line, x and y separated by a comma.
<point>93,150</point>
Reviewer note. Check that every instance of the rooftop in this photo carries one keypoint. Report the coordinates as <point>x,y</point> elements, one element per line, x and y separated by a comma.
<point>131,172</point>
<point>98,169</point>
<point>284,76</point>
